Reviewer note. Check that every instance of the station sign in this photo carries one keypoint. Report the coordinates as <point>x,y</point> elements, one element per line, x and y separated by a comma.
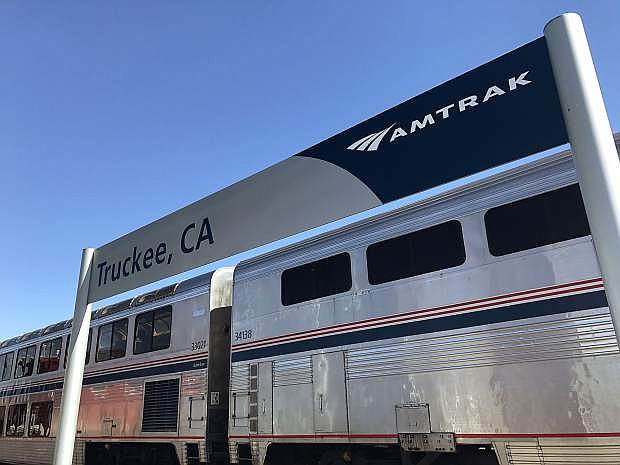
<point>503,110</point>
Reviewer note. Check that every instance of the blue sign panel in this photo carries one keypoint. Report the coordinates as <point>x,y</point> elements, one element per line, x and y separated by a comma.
<point>501,111</point>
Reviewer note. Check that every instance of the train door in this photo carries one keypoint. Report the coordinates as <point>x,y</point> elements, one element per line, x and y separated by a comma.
<point>113,422</point>
<point>329,390</point>
<point>108,426</point>
<point>197,413</point>
<point>265,398</point>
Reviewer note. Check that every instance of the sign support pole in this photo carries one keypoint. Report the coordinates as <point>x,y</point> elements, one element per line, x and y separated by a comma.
<point>74,373</point>
<point>592,144</point>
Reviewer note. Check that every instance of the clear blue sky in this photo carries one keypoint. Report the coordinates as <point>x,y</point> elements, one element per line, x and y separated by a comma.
<point>113,114</point>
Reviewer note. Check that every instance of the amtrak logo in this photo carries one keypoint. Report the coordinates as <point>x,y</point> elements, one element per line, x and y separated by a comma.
<point>371,142</point>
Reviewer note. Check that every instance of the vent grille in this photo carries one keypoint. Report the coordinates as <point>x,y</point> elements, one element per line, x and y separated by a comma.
<point>161,406</point>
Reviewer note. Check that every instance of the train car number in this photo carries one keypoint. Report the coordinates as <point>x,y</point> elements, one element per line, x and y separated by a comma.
<point>243,335</point>
<point>199,345</point>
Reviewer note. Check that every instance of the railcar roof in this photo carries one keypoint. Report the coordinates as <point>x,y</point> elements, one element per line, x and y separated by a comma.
<point>142,299</point>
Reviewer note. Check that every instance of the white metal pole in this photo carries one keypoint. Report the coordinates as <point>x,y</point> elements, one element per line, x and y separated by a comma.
<point>74,373</point>
<point>592,143</point>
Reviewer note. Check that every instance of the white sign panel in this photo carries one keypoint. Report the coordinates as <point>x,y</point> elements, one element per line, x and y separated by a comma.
<point>265,207</point>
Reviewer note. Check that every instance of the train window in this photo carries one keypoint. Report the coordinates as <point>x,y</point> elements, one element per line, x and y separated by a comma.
<point>40,422</point>
<point>153,330</point>
<point>431,249</point>
<point>321,278</point>
<point>112,341</point>
<point>6,366</point>
<point>16,420</point>
<point>25,361</point>
<point>49,355</point>
<point>2,412</point>
<point>90,339</point>
<point>544,219</point>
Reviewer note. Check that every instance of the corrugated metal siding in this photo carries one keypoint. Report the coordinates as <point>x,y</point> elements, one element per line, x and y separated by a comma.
<point>559,338</point>
<point>530,453</point>
<point>292,371</point>
<point>30,451</point>
<point>240,377</point>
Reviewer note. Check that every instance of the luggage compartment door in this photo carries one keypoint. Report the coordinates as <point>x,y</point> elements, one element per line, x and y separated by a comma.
<point>265,397</point>
<point>197,413</point>
<point>330,398</point>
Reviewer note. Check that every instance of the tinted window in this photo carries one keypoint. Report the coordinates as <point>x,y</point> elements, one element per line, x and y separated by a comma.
<point>2,413</point>
<point>435,248</point>
<point>49,355</point>
<point>25,361</point>
<point>16,420</point>
<point>544,219</point>
<point>7,367</point>
<point>112,341</point>
<point>153,330</point>
<point>40,419</point>
<point>322,278</point>
<point>90,340</point>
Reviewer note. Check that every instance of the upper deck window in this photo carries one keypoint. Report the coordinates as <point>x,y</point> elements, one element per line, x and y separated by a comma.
<point>6,366</point>
<point>431,249</point>
<point>544,219</point>
<point>49,355</point>
<point>25,361</point>
<point>112,342</point>
<point>321,278</point>
<point>90,339</point>
<point>153,330</point>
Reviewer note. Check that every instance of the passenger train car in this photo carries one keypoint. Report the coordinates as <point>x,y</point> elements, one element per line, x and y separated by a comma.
<point>467,328</point>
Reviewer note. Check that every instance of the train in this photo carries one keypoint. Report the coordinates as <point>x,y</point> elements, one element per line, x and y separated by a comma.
<point>467,327</point>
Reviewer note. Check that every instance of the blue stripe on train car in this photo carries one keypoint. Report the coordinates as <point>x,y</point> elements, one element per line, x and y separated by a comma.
<point>520,311</point>
<point>572,303</point>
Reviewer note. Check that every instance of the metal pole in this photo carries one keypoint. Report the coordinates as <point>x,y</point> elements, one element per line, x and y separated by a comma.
<point>592,143</point>
<point>74,373</point>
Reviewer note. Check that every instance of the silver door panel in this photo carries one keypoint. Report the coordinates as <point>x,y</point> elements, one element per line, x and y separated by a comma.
<point>330,399</point>
<point>293,409</point>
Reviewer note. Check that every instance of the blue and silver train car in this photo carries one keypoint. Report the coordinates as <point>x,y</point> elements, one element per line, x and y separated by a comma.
<point>472,327</point>
<point>143,400</point>
<point>467,328</point>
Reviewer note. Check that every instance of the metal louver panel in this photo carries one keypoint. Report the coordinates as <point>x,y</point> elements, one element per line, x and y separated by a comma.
<point>161,406</point>
<point>292,371</point>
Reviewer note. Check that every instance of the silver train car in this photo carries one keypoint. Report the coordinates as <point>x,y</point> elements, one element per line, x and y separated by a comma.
<point>467,328</point>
